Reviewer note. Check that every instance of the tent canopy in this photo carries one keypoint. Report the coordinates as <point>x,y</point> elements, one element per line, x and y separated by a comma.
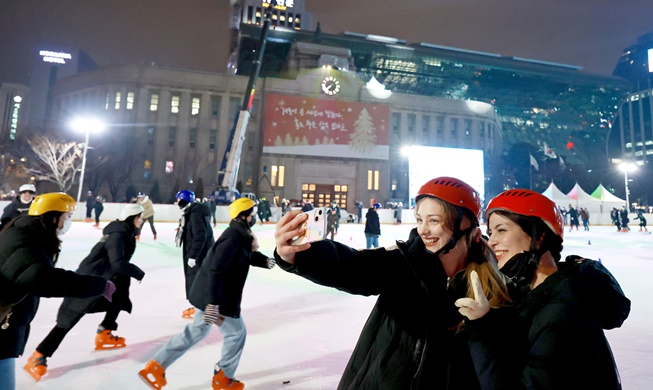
<point>558,197</point>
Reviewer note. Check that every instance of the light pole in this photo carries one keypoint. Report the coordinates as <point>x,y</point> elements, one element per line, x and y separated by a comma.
<point>626,167</point>
<point>86,125</point>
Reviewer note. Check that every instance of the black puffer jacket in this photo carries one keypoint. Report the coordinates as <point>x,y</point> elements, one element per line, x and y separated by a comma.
<point>411,338</point>
<point>221,278</point>
<point>372,223</point>
<point>27,272</point>
<point>196,240</point>
<point>110,259</point>
<point>564,318</point>
<point>14,209</point>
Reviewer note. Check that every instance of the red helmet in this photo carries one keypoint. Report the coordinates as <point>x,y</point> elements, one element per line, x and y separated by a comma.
<point>453,191</point>
<point>530,204</point>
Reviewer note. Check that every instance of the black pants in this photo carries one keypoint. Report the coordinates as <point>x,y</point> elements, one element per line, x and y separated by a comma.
<point>52,341</point>
<point>151,221</point>
<point>97,216</point>
<point>88,212</point>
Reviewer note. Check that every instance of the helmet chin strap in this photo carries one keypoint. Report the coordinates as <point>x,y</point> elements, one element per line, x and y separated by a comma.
<point>457,233</point>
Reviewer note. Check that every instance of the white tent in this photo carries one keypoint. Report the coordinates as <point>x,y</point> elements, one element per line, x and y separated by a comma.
<point>585,200</point>
<point>558,197</point>
<point>608,199</point>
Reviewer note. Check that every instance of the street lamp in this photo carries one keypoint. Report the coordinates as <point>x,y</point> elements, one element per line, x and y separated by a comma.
<point>626,167</point>
<point>88,126</point>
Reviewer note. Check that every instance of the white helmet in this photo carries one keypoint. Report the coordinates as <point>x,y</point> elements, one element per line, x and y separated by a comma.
<point>27,187</point>
<point>129,210</point>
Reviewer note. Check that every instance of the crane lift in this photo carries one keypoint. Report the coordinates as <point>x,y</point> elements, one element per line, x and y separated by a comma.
<point>228,173</point>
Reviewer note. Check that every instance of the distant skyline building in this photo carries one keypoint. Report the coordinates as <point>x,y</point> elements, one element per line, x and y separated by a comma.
<point>14,103</point>
<point>632,132</point>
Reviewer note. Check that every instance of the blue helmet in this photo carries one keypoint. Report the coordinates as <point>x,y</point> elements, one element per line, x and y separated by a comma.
<point>188,196</point>
<point>377,205</point>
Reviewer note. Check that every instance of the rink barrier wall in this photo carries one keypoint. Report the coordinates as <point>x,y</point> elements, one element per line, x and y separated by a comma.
<point>171,213</point>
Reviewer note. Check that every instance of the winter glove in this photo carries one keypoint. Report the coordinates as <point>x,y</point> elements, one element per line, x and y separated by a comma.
<point>109,289</point>
<point>191,263</point>
<point>477,307</point>
<point>212,315</point>
<point>271,263</point>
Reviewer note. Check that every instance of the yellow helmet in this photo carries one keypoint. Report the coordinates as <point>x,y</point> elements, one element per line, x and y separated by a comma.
<point>52,201</point>
<point>239,205</point>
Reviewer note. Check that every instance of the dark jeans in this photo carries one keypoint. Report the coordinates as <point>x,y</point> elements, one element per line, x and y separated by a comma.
<point>52,341</point>
<point>88,211</point>
<point>151,221</point>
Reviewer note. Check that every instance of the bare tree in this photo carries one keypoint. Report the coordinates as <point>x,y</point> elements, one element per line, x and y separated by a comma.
<point>55,160</point>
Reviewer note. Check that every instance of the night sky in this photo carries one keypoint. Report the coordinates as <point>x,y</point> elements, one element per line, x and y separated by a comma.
<point>194,33</point>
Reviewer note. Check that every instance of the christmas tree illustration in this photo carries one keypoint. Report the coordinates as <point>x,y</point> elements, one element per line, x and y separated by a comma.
<point>363,139</point>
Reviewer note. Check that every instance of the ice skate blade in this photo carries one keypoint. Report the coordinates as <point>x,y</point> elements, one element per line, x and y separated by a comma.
<point>152,383</point>
<point>107,347</point>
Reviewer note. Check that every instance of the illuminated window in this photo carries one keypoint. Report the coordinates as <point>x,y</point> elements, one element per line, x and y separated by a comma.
<point>154,102</point>
<point>172,135</point>
<point>213,136</point>
<point>192,138</point>
<point>130,101</point>
<point>106,101</point>
<point>468,127</point>
<point>116,104</point>
<point>373,180</point>
<point>170,166</point>
<point>278,173</point>
<point>195,106</point>
<point>174,104</point>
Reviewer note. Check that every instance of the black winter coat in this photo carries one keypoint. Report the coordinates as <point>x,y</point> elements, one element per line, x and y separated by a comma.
<point>564,318</point>
<point>27,272</point>
<point>196,239</point>
<point>222,275</point>
<point>14,209</point>
<point>372,223</point>
<point>110,259</point>
<point>410,340</point>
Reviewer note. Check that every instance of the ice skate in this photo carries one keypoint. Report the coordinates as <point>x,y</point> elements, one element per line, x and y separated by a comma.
<point>153,374</point>
<point>36,366</point>
<point>106,340</point>
<point>188,313</point>
<point>97,225</point>
<point>155,237</point>
<point>138,237</point>
<point>88,220</point>
<point>222,382</point>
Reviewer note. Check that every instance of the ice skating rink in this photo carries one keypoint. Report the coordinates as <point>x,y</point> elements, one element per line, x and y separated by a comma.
<point>300,335</point>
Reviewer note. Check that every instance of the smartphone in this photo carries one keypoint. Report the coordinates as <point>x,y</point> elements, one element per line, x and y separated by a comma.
<point>316,225</point>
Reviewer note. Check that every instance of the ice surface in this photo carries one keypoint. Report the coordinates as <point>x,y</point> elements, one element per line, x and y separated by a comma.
<point>297,331</point>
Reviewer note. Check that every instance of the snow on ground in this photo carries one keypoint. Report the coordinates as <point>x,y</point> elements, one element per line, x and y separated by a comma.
<point>298,332</point>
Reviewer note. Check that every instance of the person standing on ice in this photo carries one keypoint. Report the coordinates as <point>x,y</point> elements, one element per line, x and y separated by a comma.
<point>19,205</point>
<point>99,208</point>
<point>29,248</point>
<point>148,214</point>
<point>110,259</point>
<point>562,307</point>
<point>217,294</point>
<point>195,236</point>
<point>415,338</point>
<point>642,220</point>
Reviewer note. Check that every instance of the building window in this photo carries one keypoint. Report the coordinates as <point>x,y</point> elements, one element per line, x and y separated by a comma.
<point>234,108</point>
<point>468,127</point>
<point>116,104</point>
<point>410,123</point>
<point>213,136</point>
<point>154,102</point>
<point>192,138</point>
<point>440,125</point>
<point>481,129</point>
<point>215,106</point>
<point>426,125</point>
<point>174,104</point>
<point>454,128</point>
<point>170,166</point>
<point>172,136</point>
<point>278,175</point>
<point>195,106</point>
<point>150,135</point>
<point>373,180</point>
<point>396,123</point>
<point>130,101</point>
<point>107,100</point>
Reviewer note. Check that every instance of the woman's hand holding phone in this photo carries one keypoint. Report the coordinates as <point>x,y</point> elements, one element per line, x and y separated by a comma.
<point>290,226</point>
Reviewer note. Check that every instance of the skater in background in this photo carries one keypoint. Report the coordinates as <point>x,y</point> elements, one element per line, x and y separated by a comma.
<point>359,211</point>
<point>562,307</point>
<point>285,206</point>
<point>585,217</point>
<point>415,337</point>
<point>19,205</point>
<point>212,208</point>
<point>642,221</point>
<point>29,248</point>
<point>90,203</point>
<point>217,295</point>
<point>148,214</point>
<point>98,207</point>
<point>398,210</point>
<point>372,226</point>
<point>194,236</point>
<point>334,206</point>
<point>616,218</point>
<point>573,218</point>
<point>332,221</point>
<point>623,217</point>
<point>264,212</point>
<point>110,259</point>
